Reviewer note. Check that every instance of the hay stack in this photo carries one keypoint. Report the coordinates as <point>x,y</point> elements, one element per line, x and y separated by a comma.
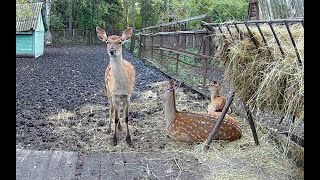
<point>263,80</point>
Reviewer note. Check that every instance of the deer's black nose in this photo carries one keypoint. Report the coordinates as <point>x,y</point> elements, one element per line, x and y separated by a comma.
<point>112,52</point>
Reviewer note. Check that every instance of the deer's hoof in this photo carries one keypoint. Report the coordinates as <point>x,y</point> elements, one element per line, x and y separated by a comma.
<point>114,142</point>
<point>119,127</point>
<point>129,142</point>
<point>108,130</point>
<point>101,123</point>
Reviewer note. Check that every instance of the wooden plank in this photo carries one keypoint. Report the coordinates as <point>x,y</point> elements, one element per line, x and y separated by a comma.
<point>62,165</point>
<point>32,164</point>
<point>183,52</point>
<point>103,166</point>
<point>18,151</point>
<point>276,21</point>
<point>112,167</point>
<point>178,32</point>
<point>20,157</point>
<point>91,167</point>
<point>133,166</point>
<point>179,21</point>
<point>159,165</point>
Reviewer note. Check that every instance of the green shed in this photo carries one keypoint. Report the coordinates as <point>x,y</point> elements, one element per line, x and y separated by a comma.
<point>29,30</point>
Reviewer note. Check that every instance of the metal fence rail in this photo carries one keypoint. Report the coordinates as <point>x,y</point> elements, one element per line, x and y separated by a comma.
<point>249,25</point>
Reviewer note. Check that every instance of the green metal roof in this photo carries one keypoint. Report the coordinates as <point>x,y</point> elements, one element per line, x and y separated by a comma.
<point>27,16</point>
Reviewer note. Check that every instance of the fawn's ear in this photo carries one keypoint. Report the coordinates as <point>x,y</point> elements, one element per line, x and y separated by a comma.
<point>214,81</point>
<point>126,34</point>
<point>101,34</point>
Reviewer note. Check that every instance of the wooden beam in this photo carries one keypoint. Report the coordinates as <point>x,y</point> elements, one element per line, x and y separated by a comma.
<point>179,21</point>
<point>183,52</point>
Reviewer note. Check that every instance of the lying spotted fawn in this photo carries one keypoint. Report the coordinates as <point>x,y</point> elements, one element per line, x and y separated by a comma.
<point>120,78</point>
<point>195,127</point>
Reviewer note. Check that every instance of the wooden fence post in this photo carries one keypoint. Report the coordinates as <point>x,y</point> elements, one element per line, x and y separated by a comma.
<point>161,51</point>
<point>206,51</point>
<point>140,44</point>
<point>177,64</point>
<point>72,36</point>
<point>152,37</point>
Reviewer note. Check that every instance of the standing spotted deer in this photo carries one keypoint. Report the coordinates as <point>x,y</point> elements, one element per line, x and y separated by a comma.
<point>120,78</point>
<point>195,127</point>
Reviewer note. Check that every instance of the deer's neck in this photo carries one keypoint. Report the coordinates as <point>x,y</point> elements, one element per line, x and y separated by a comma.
<point>170,108</point>
<point>120,84</point>
<point>214,93</point>
<point>116,63</point>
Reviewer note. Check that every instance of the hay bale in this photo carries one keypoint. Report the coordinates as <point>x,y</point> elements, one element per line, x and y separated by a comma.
<point>262,79</point>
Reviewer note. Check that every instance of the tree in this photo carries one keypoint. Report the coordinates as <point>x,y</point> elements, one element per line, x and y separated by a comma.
<point>69,13</point>
<point>146,12</point>
<point>126,7</point>
<point>48,35</point>
<point>133,39</point>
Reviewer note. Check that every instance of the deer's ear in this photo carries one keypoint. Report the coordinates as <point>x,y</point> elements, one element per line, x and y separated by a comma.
<point>126,34</point>
<point>171,83</point>
<point>101,34</point>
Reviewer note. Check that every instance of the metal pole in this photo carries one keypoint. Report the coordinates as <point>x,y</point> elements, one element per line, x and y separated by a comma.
<point>219,122</point>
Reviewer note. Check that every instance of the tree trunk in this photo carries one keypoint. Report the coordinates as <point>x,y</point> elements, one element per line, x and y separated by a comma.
<point>133,28</point>
<point>281,9</point>
<point>126,4</point>
<point>48,35</point>
<point>70,16</point>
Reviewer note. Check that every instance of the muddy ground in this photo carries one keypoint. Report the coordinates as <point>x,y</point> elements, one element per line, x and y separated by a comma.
<point>61,105</point>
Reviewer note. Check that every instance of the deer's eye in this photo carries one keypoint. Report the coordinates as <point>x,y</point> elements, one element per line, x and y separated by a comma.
<point>107,42</point>
<point>119,42</point>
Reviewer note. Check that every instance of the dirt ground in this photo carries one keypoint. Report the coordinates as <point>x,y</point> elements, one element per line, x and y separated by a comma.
<point>61,105</point>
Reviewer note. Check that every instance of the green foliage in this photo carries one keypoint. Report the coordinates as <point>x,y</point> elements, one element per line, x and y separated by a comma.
<point>25,1</point>
<point>110,14</point>
<point>87,14</point>
<point>136,47</point>
<point>229,10</point>
<point>56,21</point>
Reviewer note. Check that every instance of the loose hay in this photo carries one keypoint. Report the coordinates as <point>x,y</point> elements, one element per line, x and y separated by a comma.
<point>240,159</point>
<point>265,81</point>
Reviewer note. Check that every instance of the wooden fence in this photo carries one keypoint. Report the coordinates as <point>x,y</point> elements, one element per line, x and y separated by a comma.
<point>173,48</point>
<point>78,36</point>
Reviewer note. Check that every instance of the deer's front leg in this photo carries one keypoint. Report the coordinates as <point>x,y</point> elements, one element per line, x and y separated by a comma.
<point>126,103</point>
<point>111,112</point>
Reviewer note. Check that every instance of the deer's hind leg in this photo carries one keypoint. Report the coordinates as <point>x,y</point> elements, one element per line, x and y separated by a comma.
<point>111,112</point>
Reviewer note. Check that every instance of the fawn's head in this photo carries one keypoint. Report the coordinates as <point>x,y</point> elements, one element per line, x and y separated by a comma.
<point>168,90</point>
<point>114,42</point>
<point>213,86</point>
